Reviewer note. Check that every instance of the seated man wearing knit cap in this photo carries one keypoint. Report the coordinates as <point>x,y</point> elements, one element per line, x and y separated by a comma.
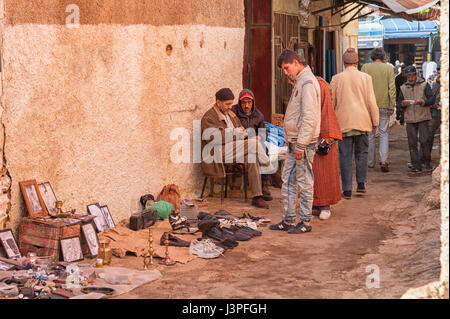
<point>224,140</point>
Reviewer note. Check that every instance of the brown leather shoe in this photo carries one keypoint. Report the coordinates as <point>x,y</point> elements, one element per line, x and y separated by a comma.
<point>384,167</point>
<point>259,202</point>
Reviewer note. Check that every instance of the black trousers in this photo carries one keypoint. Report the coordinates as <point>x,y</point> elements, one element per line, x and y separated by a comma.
<point>419,132</point>
<point>433,126</point>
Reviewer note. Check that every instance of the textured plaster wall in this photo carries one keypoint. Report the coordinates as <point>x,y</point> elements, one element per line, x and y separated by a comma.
<point>91,109</point>
<point>227,13</point>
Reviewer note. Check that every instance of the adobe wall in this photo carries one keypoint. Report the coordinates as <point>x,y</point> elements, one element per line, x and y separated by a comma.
<point>91,109</point>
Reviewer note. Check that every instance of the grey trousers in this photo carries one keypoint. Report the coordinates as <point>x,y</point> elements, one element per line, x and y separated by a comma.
<point>359,144</point>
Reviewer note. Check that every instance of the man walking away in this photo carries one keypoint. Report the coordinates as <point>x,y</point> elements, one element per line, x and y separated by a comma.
<point>415,98</point>
<point>358,114</point>
<point>384,86</point>
<point>301,130</point>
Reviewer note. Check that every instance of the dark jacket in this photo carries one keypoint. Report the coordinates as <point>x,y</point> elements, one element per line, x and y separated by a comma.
<point>399,81</point>
<point>255,120</point>
<point>214,119</point>
<point>420,90</point>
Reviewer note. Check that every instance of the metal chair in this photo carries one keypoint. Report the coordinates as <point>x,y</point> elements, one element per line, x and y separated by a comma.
<point>230,170</point>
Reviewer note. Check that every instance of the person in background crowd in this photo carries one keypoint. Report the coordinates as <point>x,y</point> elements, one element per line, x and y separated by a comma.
<point>415,98</point>
<point>400,79</point>
<point>327,186</point>
<point>252,119</point>
<point>384,87</point>
<point>387,61</point>
<point>301,130</point>
<point>357,112</point>
<point>435,109</point>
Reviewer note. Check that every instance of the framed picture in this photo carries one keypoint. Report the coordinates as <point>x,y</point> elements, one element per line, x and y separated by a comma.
<point>33,199</point>
<point>48,195</point>
<point>71,249</point>
<point>99,220</point>
<point>91,238</point>
<point>9,244</point>
<point>108,217</point>
<point>4,266</point>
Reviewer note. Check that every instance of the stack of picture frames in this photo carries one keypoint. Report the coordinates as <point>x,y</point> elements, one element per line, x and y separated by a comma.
<point>40,200</point>
<point>9,248</point>
<point>103,219</point>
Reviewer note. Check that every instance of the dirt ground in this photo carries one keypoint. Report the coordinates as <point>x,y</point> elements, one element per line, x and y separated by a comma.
<point>389,226</point>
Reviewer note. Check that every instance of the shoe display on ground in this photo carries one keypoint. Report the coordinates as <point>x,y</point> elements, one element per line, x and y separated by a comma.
<point>281,226</point>
<point>300,228</point>
<point>173,241</point>
<point>205,248</point>
<point>384,167</point>
<point>259,202</point>
<point>325,214</point>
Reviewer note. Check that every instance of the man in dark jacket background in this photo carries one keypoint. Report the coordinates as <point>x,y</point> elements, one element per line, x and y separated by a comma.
<point>252,119</point>
<point>416,98</point>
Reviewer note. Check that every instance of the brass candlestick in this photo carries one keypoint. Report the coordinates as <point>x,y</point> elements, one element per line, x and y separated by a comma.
<point>148,258</point>
<point>167,261</point>
<point>58,205</point>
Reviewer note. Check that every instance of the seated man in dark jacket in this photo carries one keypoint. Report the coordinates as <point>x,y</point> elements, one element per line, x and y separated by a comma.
<point>252,120</point>
<point>416,98</point>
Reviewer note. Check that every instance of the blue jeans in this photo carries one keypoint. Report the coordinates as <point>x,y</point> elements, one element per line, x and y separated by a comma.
<point>383,129</point>
<point>360,144</point>
<point>298,173</point>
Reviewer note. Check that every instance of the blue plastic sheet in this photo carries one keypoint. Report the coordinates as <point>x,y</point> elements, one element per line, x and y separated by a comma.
<point>275,134</point>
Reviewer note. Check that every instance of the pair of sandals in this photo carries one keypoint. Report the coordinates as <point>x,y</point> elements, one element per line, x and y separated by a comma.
<point>180,225</point>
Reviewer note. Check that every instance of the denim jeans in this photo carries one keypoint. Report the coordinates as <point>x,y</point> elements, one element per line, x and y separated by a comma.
<point>360,144</point>
<point>383,129</point>
<point>298,173</point>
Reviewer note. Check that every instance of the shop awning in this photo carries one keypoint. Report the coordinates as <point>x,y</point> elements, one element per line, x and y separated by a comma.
<point>395,28</point>
<point>409,6</point>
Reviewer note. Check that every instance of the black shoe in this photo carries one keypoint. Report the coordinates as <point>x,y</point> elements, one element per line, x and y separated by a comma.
<point>227,243</point>
<point>281,226</point>
<point>173,241</point>
<point>300,228</point>
<point>415,170</point>
<point>205,225</point>
<point>428,168</point>
<point>254,232</point>
<point>217,234</point>
<point>239,234</point>
<point>204,215</point>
